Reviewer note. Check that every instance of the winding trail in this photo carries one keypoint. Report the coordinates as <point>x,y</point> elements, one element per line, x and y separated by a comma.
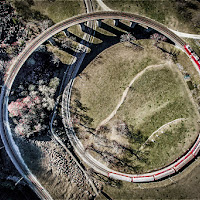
<point>105,121</point>
<point>163,126</point>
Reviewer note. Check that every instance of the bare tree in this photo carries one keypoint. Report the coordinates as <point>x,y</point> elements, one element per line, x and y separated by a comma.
<point>158,37</point>
<point>66,43</point>
<point>45,24</point>
<point>128,37</point>
<point>72,38</point>
<point>55,60</point>
<point>3,64</point>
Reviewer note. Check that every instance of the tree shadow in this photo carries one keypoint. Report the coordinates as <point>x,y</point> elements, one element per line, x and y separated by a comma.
<point>31,154</point>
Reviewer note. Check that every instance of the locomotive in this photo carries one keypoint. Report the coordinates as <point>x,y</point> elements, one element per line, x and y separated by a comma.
<point>192,55</point>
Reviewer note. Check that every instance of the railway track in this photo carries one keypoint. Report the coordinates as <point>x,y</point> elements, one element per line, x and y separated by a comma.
<point>18,63</point>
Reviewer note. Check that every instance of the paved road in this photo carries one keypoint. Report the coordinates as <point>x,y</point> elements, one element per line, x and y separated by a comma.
<point>186,35</point>
<point>103,5</point>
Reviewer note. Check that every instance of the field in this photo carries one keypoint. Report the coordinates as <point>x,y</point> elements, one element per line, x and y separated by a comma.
<point>114,67</point>
<point>59,10</point>
<point>177,15</point>
<point>154,98</point>
<point>54,10</point>
<point>182,16</point>
<point>157,98</point>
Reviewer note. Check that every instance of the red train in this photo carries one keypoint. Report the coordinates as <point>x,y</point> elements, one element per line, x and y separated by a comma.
<point>192,55</point>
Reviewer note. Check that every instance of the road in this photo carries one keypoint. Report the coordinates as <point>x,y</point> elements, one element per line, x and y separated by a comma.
<point>6,134</point>
<point>186,35</point>
<point>103,5</point>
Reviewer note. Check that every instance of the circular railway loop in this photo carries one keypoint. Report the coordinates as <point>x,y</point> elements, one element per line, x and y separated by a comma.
<point>86,157</point>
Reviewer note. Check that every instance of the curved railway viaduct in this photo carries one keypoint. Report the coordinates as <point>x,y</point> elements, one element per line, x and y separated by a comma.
<point>5,130</point>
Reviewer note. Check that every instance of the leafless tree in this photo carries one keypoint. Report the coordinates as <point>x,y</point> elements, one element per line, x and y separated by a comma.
<point>66,44</point>
<point>72,38</point>
<point>158,37</point>
<point>45,24</point>
<point>128,37</point>
<point>3,65</point>
<point>55,60</point>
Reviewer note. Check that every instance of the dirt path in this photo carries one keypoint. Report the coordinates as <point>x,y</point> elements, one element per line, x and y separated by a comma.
<point>162,127</point>
<point>105,121</point>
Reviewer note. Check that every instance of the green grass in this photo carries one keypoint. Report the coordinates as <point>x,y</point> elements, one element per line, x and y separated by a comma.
<point>182,16</point>
<point>59,10</point>
<point>104,80</point>
<point>169,145</point>
<point>158,97</point>
<point>64,57</point>
<point>55,10</point>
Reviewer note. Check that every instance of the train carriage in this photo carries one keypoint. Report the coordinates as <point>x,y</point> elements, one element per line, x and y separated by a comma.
<point>196,148</point>
<point>164,173</point>
<point>141,178</point>
<point>183,161</point>
<point>192,55</point>
<point>119,177</point>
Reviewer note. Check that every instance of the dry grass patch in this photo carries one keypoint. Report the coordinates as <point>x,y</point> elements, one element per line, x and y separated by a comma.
<point>177,15</point>
<point>64,57</point>
<point>155,99</point>
<point>59,10</point>
<point>104,80</point>
<point>158,96</point>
